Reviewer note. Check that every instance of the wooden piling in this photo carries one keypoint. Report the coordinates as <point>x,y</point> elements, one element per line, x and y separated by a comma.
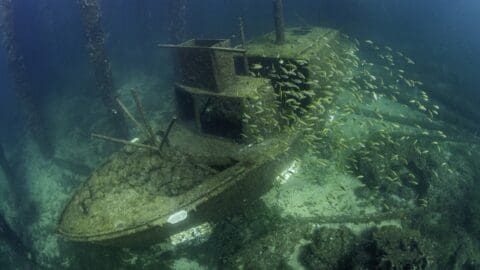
<point>103,73</point>
<point>20,201</point>
<point>21,84</point>
<point>15,242</point>
<point>6,168</point>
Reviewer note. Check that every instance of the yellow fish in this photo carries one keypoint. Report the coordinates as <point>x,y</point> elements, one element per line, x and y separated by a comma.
<point>257,66</point>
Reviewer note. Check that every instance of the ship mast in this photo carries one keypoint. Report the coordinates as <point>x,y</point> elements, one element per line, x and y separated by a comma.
<point>278,14</point>
<point>178,21</point>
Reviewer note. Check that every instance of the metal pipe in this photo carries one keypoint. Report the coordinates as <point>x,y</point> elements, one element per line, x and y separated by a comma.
<point>165,136</point>
<point>178,21</point>
<point>125,142</point>
<point>244,44</point>
<point>279,21</point>
<point>222,49</point>
<point>130,116</point>
<point>146,125</point>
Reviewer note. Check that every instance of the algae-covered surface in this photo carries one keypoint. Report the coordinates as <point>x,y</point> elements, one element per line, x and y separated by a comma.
<point>133,187</point>
<point>298,43</point>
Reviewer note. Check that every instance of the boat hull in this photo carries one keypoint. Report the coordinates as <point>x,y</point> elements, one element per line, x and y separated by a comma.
<point>225,193</point>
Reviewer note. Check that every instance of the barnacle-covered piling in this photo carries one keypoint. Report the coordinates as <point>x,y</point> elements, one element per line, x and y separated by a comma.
<point>21,85</point>
<point>103,73</point>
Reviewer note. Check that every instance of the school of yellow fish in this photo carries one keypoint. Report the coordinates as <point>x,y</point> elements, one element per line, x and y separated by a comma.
<point>307,101</point>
